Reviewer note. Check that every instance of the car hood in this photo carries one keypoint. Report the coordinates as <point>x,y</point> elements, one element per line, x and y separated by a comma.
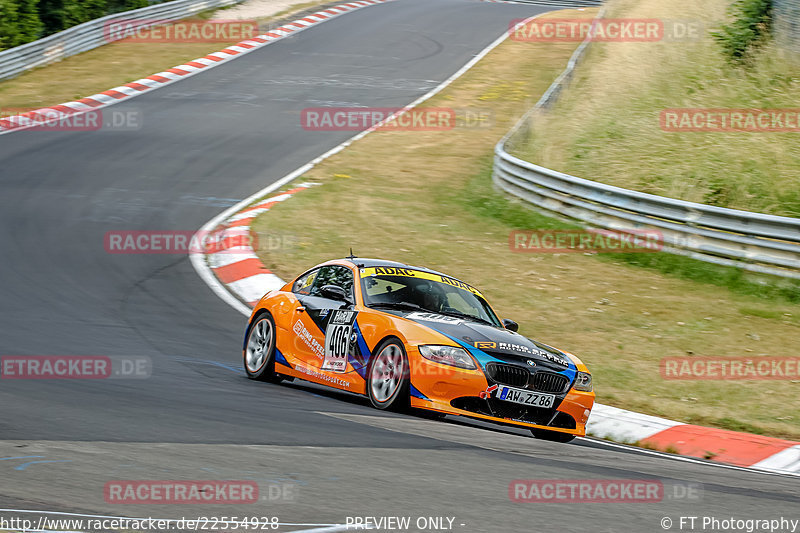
<point>490,343</point>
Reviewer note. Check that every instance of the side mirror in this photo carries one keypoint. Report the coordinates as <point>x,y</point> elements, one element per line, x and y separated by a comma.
<point>507,323</point>
<point>333,292</point>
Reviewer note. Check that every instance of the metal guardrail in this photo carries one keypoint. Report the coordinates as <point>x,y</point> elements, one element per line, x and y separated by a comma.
<point>786,15</point>
<point>92,34</point>
<point>752,241</point>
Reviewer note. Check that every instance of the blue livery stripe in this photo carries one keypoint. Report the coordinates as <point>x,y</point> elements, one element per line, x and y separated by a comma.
<point>279,358</point>
<point>362,345</point>
<point>416,393</point>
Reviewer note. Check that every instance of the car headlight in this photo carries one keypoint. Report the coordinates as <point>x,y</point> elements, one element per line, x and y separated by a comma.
<point>448,355</point>
<point>583,382</point>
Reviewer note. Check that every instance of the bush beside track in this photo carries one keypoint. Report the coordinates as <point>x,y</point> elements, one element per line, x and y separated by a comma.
<point>24,21</point>
<point>426,198</point>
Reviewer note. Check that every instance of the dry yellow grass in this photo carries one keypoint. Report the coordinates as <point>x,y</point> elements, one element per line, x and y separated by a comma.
<point>606,127</point>
<point>425,198</point>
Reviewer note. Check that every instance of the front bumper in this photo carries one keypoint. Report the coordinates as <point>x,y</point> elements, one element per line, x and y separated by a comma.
<point>458,391</point>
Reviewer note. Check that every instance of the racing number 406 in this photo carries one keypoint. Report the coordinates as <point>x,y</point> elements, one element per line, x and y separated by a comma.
<point>339,340</point>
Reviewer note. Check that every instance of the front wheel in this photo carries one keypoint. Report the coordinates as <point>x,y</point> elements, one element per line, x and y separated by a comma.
<point>259,351</point>
<point>387,381</point>
<point>553,436</point>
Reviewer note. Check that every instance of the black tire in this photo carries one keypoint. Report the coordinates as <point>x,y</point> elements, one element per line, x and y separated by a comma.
<point>552,436</point>
<point>388,385</point>
<point>258,355</point>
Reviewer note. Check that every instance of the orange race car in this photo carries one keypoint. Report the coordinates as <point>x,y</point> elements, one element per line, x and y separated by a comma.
<point>407,336</point>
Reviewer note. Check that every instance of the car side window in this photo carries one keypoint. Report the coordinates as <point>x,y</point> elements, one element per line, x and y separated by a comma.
<point>333,275</point>
<point>305,282</point>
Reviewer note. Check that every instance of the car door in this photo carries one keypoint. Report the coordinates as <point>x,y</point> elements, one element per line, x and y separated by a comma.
<point>323,326</point>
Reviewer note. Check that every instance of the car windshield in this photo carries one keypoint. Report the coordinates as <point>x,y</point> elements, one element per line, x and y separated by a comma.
<point>410,289</point>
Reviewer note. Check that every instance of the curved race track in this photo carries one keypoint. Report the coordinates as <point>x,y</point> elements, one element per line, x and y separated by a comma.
<point>207,142</point>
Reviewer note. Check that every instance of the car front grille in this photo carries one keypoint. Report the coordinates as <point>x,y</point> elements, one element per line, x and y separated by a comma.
<point>511,375</point>
<point>548,382</point>
<point>517,376</point>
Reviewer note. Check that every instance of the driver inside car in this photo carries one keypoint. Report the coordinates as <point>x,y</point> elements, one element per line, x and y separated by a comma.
<point>431,298</point>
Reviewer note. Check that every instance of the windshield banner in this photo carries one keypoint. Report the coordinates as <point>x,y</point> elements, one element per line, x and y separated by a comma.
<point>411,273</point>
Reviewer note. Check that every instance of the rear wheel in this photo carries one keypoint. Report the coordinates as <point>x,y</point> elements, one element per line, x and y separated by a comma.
<point>387,377</point>
<point>259,351</point>
<point>553,436</point>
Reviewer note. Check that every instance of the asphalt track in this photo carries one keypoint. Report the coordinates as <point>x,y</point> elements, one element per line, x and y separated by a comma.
<point>205,143</point>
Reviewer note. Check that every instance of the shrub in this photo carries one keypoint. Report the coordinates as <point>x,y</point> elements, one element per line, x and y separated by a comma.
<point>751,26</point>
<point>23,21</point>
<point>19,22</point>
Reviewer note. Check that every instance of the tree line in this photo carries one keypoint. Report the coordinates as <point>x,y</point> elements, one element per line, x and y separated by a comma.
<point>23,21</point>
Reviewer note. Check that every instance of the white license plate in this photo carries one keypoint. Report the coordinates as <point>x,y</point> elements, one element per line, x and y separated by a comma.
<point>533,399</point>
